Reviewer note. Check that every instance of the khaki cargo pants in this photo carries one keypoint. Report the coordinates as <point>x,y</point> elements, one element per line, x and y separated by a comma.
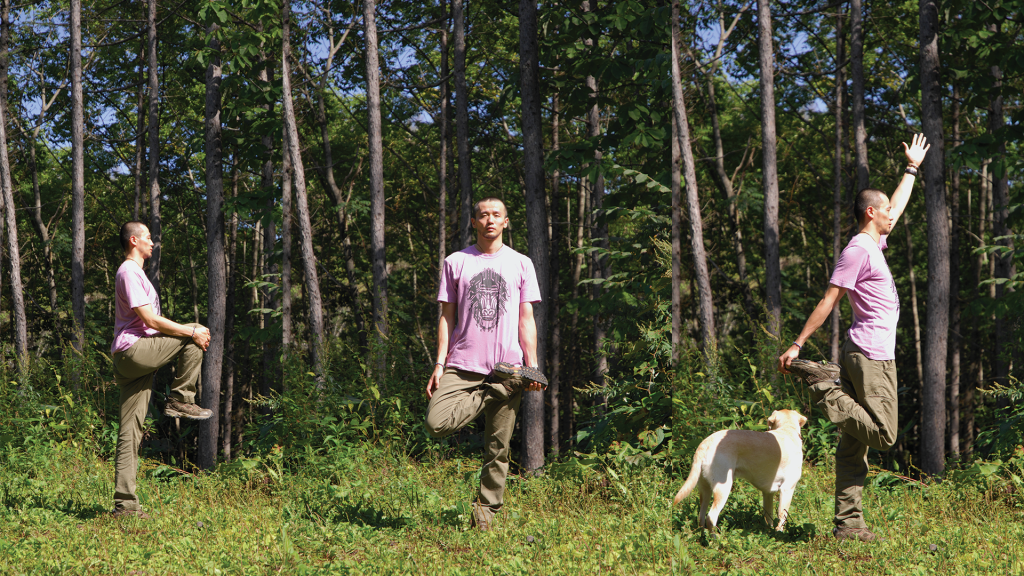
<point>462,397</point>
<point>133,371</point>
<point>863,406</point>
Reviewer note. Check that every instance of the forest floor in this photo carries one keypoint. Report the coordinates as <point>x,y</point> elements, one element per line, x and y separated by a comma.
<point>368,510</point>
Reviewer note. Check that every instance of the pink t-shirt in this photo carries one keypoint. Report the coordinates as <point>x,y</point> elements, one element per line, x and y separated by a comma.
<point>487,289</point>
<point>862,270</point>
<point>131,289</point>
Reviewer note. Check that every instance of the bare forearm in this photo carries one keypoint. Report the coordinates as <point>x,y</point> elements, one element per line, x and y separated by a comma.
<point>816,319</point>
<point>528,342</point>
<point>169,327</point>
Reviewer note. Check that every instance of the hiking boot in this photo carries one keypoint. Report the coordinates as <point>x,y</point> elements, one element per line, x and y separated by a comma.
<point>119,513</point>
<point>176,409</point>
<point>517,378</point>
<point>481,517</point>
<point>863,534</point>
<point>814,372</point>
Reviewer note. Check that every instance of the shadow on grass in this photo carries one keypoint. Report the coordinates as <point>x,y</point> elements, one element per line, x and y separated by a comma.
<point>743,522</point>
<point>72,508</point>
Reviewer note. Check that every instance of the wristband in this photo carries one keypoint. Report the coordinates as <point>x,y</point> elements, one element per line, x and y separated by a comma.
<point>797,345</point>
<point>439,364</point>
<point>193,332</point>
<point>911,170</point>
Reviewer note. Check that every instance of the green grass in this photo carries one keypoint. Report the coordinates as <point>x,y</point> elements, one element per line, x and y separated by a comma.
<point>369,510</point>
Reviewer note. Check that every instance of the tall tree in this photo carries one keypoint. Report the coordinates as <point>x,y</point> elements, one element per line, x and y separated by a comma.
<point>837,168</point>
<point>954,288</point>
<point>677,234</point>
<point>860,133</point>
<point>13,252</point>
<point>555,349</point>
<point>77,180</point>
<point>286,247</point>
<point>292,145</point>
<point>209,430</point>
<point>442,154</point>
<point>154,150</point>
<point>769,169</point>
<point>377,245</point>
<point>536,219</point>
<point>700,265</point>
<point>462,123</point>
<point>1000,228</point>
<point>933,409</point>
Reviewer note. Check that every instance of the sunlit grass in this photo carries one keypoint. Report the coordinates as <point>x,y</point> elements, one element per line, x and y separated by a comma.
<point>370,510</point>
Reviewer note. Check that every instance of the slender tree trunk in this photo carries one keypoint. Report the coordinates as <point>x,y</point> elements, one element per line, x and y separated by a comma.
<point>270,373</point>
<point>37,212</point>
<point>442,160</point>
<point>153,268</point>
<point>677,232</point>
<point>77,181</point>
<point>13,252</point>
<point>913,299</point>
<point>140,137</point>
<point>536,220</point>
<point>229,323</point>
<point>462,123</point>
<point>977,332</point>
<point>933,417</point>
<point>773,269</point>
<point>1000,213</point>
<point>555,366</point>
<point>837,186</point>
<point>377,241</point>
<point>954,291</point>
<point>286,248</point>
<point>312,282</point>
<point>700,264</point>
<point>216,282</point>
<point>860,134</point>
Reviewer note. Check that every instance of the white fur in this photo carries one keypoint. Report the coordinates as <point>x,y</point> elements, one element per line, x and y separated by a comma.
<point>771,461</point>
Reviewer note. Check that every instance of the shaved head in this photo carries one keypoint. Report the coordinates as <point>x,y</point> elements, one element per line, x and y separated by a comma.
<point>867,198</point>
<point>476,207</point>
<point>129,229</point>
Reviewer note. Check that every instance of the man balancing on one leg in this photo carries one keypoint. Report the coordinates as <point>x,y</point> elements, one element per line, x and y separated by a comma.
<point>859,395</point>
<point>143,342</point>
<point>486,348</point>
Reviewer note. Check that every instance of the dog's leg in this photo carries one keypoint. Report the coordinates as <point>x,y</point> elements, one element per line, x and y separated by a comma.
<point>785,497</point>
<point>768,506</point>
<point>720,495</point>
<point>705,500</point>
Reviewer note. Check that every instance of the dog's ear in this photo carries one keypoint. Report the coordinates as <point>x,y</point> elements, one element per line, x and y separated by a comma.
<point>803,420</point>
<point>773,420</point>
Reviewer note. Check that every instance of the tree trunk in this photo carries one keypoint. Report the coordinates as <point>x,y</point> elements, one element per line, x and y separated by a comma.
<point>77,181</point>
<point>555,349</point>
<point>954,291</point>
<point>1000,213</point>
<point>677,232</point>
<point>536,220</point>
<point>933,416</point>
<point>286,248</point>
<point>977,349</point>
<point>442,160</point>
<point>153,267</point>
<point>462,124</point>
<point>209,429</point>
<point>312,282</point>
<point>37,210</point>
<point>913,299</point>
<point>229,324</point>
<point>860,134</point>
<point>270,373</point>
<point>140,141</point>
<point>837,186</point>
<point>377,243</point>
<point>13,253</point>
<point>700,264</point>
<point>770,177</point>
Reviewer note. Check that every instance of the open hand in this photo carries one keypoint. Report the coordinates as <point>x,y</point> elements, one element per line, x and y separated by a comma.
<point>917,150</point>
<point>435,380</point>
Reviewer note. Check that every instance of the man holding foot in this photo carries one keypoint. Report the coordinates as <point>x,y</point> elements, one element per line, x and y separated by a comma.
<point>143,342</point>
<point>486,348</point>
<point>859,395</point>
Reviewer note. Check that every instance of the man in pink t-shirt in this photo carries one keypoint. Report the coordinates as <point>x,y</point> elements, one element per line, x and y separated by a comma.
<point>486,348</point>
<point>861,402</point>
<point>143,342</point>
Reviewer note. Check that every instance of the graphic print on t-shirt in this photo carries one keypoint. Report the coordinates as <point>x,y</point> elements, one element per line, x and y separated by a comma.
<point>488,294</point>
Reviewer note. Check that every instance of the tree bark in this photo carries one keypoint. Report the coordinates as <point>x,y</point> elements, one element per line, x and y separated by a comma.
<point>442,160</point>
<point>77,182</point>
<point>1000,213</point>
<point>700,265</point>
<point>770,176</point>
<point>536,220</point>
<point>377,241</point>
<point>312,282</point>
<point>153,266</point>
<point>140,136</point>
<point>209,430</point>
<point>229,324</point>
<point>555,349</point>
<point>677,232</point>
<point>913,300</point>
<point>37,210</point>
<point>837,186</point>
<point>269,374</point>
<point>462,124</point>
<point>286,248</point>
<point>933,417</point>
<point>13,252</point>
<point>954,291</point>
<point>860,134</point>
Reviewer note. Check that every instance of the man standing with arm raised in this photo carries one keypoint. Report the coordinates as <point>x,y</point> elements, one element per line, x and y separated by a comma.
<point>143,342</point>
<point>486,348</point>
<point>859,395</point>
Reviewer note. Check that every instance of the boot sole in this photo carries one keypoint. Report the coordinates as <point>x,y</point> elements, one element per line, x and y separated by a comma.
<point>177,414</point>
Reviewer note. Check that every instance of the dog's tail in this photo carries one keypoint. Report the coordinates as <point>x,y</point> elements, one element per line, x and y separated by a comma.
<point>691,480</point>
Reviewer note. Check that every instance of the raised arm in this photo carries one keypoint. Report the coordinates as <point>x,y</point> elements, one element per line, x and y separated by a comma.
<point>832,296</point>
<point>445,327</point>
<point>901,197</point>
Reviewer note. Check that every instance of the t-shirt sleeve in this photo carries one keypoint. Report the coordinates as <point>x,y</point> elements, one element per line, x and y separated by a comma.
<point>529,291</point>
<point>448,291</point>
<point>135,290</point>
<point>883,243</point>
<point>851,262</point>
